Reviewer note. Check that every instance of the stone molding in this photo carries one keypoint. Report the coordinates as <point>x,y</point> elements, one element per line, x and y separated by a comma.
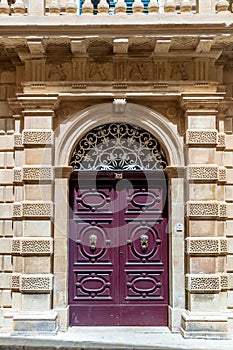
<point>33,283</point>
<point>202,137</point>
<point>206,173</point>
<point>35,246</point>
<point>37,137</point>
<point>33,209</point>
<point>209,209</point>
<point>206,246</point>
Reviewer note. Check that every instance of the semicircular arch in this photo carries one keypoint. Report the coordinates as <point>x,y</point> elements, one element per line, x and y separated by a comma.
<point>69,133</point>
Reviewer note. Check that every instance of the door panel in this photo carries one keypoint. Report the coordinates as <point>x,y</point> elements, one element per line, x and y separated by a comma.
<point>118,251</point>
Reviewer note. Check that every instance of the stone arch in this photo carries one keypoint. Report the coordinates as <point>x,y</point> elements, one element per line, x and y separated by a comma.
<point>80,123</point>
<point>67,136</point>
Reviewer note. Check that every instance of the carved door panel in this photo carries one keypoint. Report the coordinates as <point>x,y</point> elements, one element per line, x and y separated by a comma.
<point>118,251</point>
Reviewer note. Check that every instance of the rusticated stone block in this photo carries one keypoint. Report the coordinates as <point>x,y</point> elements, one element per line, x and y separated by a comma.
<point>37,137</point>
<point>197,283</point>
<point>17,210</point>
<point>221,140</point>
<point>18,140</point>
<point>15,281</point>
<point>33,209</point>
<point>222,174</point>
<point>206,246</point>
<point>16,246</point>
<point>36,209</point>
<point>32,246</point>
<point>202,137</point>
<point>38,283</point>
<point>18,176</point>
<point>224,281</point>
<point>200,173</point>
<point>203,209</point>
<point>37,173</point>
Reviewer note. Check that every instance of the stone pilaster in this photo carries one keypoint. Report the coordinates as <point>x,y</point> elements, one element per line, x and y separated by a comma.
<point>6,204</point>
<point>206,210</point>
<point>33,217</point>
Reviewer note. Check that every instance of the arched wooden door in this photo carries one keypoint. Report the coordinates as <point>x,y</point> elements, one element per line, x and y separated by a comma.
<point>118,249</point>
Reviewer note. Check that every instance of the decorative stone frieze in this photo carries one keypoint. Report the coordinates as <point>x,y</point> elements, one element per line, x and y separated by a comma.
<point>202,137</point>
<point>199,283</point>
<point>206,246</point>
<point>37,173</point>
<point>33,209</point>
<point>37,137</point>
<point>35,246</point>
<point>18,141</point>
<point>206,209</point>
<point>221,140</point>
<point>34,283</point>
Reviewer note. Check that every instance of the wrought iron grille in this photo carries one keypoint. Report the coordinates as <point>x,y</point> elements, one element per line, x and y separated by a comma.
<point>118,146</point>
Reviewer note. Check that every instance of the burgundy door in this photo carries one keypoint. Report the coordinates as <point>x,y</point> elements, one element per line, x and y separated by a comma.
<point>118,249</point>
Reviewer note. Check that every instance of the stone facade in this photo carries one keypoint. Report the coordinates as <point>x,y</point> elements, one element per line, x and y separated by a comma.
<point>151,70</point>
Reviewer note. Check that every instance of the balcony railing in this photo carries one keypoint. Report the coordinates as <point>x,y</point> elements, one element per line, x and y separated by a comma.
<point>111,7</point>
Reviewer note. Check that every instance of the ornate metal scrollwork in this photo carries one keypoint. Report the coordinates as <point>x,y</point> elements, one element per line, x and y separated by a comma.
<point>118,146</point>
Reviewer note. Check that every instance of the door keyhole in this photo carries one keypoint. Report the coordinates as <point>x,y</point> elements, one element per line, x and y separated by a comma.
<point>121,253</point>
